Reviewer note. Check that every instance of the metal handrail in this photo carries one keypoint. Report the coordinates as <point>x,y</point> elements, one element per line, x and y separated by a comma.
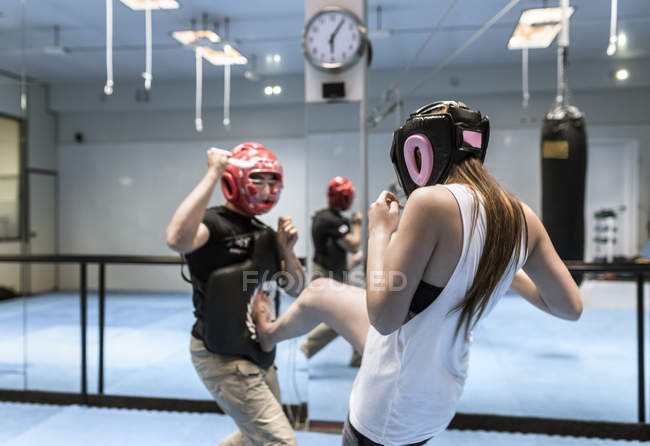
<point>572,265</point>
<point>94,258</point>
<point>638,270</point>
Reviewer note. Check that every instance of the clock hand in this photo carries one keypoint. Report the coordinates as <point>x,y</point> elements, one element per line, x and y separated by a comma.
<point>331,41</point>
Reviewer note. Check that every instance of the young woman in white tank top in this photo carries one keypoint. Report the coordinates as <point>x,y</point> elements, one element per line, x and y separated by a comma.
<point>432,275</point>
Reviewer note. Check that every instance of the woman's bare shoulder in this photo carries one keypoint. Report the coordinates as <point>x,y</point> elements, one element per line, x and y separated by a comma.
<point>530,215</point>
<point>534,225</point>
<point>431,198</point>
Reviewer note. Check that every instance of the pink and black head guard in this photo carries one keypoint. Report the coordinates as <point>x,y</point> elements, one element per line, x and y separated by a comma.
<point>433,138</point>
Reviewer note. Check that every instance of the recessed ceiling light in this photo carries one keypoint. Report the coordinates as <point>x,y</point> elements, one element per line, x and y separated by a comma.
<point>268,90</point>
<point>125,181</point>
<point>622,74</point>
<point>273,59</point>
<point>621,40</point>
<point>277,89</point>
<point>251,75</point>
<point>141,5</point>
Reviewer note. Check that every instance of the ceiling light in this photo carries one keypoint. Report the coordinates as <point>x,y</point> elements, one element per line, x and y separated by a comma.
<point>141,5</point>
<point>268,90</point>
<point>277,89</point>
<point>273,59</point>
<point>252,75</point>
<point>125,181</point>
<point>229,56</point>
<point>195,37</point>
<point>379,33</point>
<point>55,50</point>
<point>537,28</point>
<point>622,74</point>
<point>622,40</point>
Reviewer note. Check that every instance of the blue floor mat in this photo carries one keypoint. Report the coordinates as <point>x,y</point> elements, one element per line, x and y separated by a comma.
<point>523,362</point>
<point>527,363</point>
<point>30,425</point>
<point>146,347</point>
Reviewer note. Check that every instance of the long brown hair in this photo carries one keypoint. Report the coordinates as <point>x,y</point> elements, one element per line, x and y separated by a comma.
<point>505,225</point>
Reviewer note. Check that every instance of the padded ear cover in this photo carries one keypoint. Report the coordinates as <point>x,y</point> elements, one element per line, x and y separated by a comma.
<point>436,130</point>
<point>229,186</point>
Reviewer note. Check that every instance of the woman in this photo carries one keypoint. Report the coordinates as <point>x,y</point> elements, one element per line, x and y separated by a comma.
<point>461,242</point>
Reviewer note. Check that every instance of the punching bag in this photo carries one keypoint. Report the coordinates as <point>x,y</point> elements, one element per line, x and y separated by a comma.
<point>564,168</point>
<point>564,163</point>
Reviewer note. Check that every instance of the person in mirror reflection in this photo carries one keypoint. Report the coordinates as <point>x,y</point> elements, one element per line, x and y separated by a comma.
<point>231,255</point>
<point>334,236</point>
<point>434,271</point>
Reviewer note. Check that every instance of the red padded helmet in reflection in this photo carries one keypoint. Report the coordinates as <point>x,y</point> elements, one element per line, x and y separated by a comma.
<point>340,193</point>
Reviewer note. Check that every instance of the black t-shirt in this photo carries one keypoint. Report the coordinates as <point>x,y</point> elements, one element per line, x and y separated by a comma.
<point>328,226</point>
<point>230,237</point>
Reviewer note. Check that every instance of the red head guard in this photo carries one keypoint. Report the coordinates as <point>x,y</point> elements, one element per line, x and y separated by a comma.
<point>340,193</point>
<point>236,183</point>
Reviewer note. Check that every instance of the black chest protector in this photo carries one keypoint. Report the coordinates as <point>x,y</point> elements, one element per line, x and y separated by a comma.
<point>228,328</point>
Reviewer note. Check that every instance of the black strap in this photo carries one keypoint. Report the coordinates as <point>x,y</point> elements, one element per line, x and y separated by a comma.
<point>185,278</point>
<point>365,441</point>
<point>362,439</point>
<point>424,296</point>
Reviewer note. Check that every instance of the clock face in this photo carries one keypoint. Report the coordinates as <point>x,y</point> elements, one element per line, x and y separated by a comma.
<point>334,39</point>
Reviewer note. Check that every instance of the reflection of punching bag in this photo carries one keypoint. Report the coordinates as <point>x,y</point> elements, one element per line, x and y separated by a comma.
<point>564,166</point>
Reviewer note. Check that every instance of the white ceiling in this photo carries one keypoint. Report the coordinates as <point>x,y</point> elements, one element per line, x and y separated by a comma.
<point>261,27</point>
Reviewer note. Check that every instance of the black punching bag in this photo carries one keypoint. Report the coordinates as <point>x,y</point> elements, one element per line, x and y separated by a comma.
<point>564,167</point>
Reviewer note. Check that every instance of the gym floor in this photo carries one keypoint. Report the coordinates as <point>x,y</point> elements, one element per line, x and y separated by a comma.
<point>523,363</point>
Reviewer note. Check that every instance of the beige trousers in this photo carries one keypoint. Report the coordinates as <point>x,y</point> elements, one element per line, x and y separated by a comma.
<point>246,392</point>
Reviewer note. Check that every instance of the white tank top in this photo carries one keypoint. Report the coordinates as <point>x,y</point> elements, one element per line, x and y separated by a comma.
<point>410,380</point>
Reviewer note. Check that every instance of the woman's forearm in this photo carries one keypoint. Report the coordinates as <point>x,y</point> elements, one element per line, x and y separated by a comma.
<point>526,288</point>
<point>382,317</point>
